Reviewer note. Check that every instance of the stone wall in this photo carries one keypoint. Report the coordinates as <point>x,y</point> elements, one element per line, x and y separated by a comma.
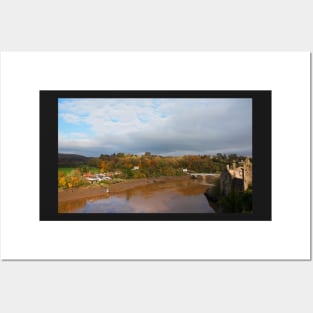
<point>247,173</point>
<point>225,182</point>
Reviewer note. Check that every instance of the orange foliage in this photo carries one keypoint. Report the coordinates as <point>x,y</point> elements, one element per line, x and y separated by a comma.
<point>62,181</point>
<point>74,180</point>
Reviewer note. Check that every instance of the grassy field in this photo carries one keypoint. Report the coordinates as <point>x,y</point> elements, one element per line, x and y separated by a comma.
<point>67,170</point>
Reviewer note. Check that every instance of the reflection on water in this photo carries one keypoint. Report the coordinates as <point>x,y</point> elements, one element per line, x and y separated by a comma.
<point>167,196</point>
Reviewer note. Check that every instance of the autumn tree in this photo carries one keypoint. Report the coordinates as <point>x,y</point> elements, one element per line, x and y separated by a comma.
<point>62,181</point>
<point>102,166</point>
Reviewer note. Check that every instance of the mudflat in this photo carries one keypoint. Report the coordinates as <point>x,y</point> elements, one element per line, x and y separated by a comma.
<point>95,190</point>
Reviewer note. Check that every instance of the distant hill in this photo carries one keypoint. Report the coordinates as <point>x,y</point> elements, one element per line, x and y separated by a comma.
<point>72,160</point>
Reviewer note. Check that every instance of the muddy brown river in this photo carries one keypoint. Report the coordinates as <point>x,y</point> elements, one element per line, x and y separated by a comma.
<point>165,196</point>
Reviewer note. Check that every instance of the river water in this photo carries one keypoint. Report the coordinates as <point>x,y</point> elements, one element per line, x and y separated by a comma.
<point>165,196</point>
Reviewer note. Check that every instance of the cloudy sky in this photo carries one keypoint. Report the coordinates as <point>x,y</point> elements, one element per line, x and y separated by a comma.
<point>92,127</point>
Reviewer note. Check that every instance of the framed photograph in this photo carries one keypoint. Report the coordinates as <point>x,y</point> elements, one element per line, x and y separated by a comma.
<point>155,155</point>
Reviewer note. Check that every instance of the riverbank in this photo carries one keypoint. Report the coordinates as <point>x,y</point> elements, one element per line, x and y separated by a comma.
<point>156,195</point>
<point>95,190</point>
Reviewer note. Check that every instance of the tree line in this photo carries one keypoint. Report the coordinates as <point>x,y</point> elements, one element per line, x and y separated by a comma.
<point>149,165</point>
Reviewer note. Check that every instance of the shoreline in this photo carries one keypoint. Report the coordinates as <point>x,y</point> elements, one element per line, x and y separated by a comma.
<point>95,190</point>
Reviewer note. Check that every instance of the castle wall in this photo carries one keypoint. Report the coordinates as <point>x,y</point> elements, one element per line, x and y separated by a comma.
<point>247,174</point>
<point>238,184</point>
<point>225,182</point>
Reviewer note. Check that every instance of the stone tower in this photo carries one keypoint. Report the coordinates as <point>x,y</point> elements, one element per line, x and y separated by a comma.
<point>247,172</point>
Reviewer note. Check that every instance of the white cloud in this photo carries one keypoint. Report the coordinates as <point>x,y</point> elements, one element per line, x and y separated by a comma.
<point>164,126</point>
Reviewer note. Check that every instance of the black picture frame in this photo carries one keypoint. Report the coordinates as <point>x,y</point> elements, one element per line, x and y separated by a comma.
<point>261,153</point>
